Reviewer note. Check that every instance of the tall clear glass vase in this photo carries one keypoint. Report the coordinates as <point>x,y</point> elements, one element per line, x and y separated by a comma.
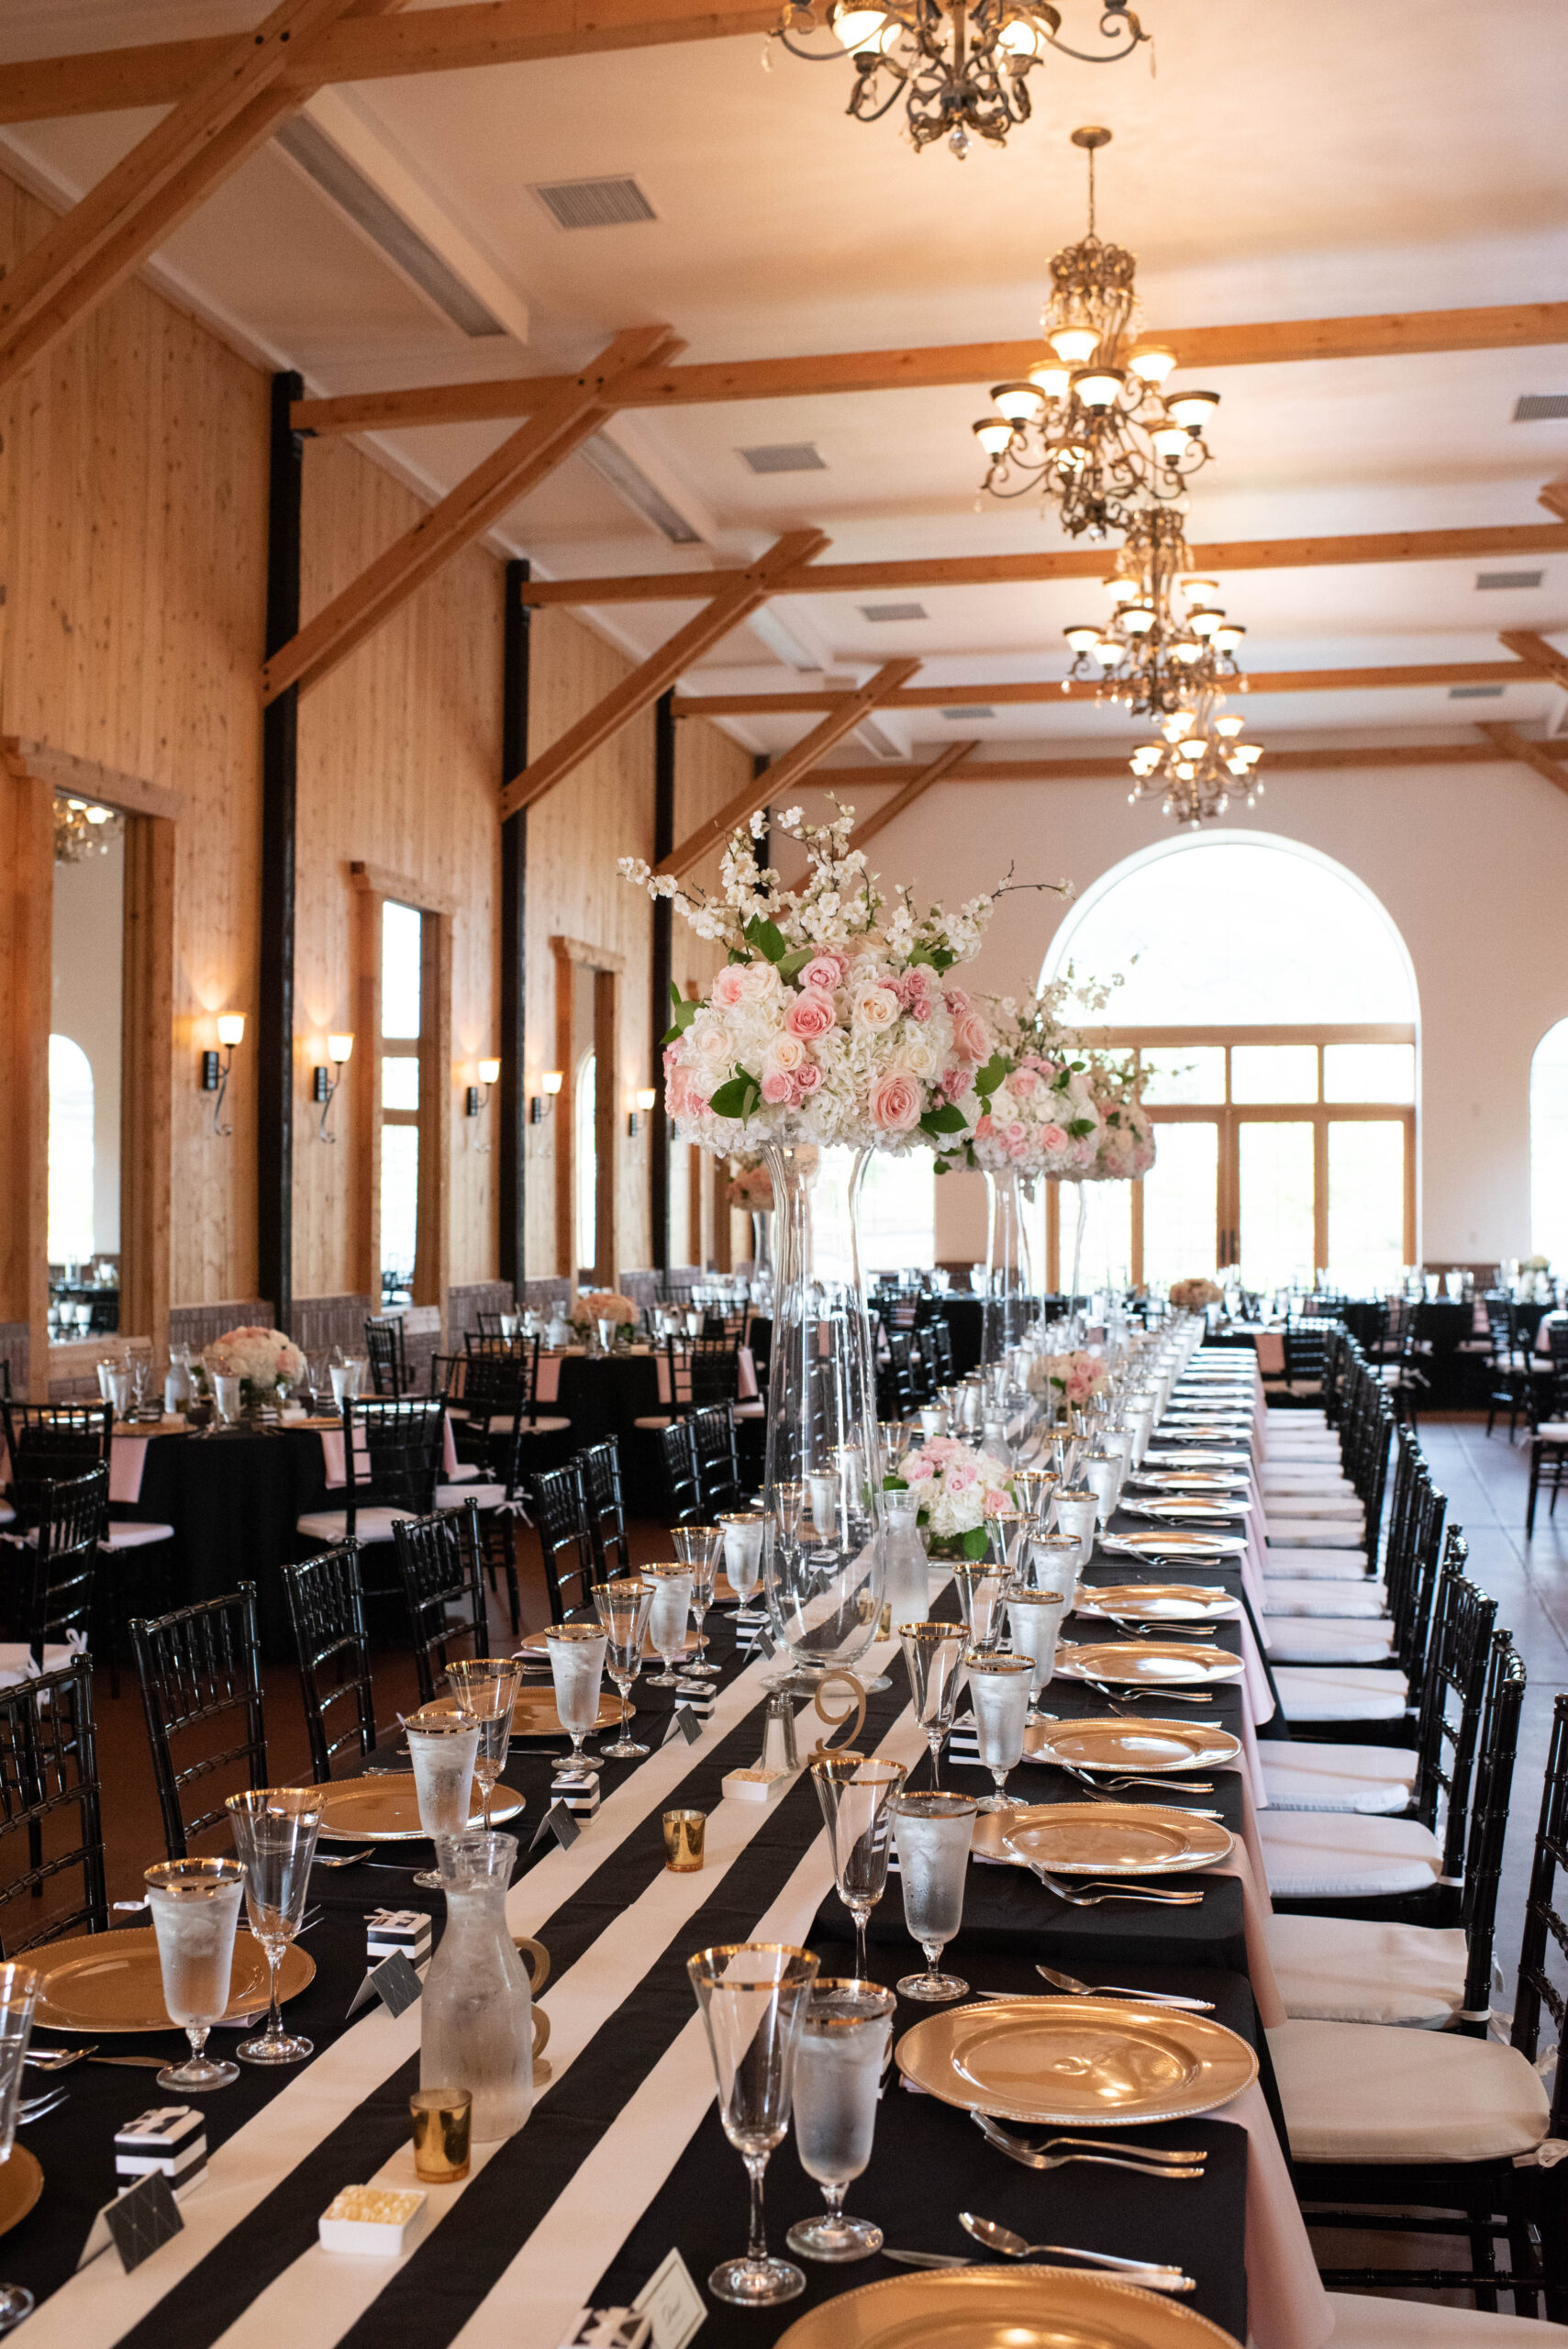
<point>1009,1306</point>
<point>823,1551</point>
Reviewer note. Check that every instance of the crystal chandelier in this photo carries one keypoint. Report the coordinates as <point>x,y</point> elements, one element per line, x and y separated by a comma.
<point>82,829</point>
<point>1167,638</point>
<point>962,68</point>
<point>1201,760</point>
<point>1090,425</point>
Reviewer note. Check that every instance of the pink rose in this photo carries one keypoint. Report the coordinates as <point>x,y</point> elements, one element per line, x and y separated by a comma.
<point>1018,1150</point>
<point>961,1475</point>
<point>726,989</point>
<point>1053,1138</point>
<point>955,1082</point>
<point>823,971</point>
<point>984,1127</point>
<point>1022,1082</point>
<point>808,1078</point>
<point>895,1102</point>
<point>778,1086</point>
<point>811,1013</point>
<point>921,1469</point>
<point>993,1503</point>
<point>957,1002</point>
<point>1014,1131</point>
<point>972,1035</point>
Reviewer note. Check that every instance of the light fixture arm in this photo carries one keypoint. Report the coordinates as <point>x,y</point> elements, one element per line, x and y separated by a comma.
<point>223,1067</point>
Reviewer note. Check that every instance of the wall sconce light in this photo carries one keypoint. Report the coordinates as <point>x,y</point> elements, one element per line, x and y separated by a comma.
<point>215,1069</point>
<point>644,1097</point>
<point>476,1099</point>
<point>324,1082</point>
<point>541,1103</point>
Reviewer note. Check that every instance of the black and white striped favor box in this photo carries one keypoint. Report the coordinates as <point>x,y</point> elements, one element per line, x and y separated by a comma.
<point>387,1929</point>
<point>171,2138</point>
<point>581,1796</point>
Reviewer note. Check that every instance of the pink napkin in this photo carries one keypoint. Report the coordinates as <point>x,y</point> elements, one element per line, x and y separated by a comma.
<point>1271,1352</point>
<point>127,1461</point>
<point>548,1385</point>
<point>332,1453</point>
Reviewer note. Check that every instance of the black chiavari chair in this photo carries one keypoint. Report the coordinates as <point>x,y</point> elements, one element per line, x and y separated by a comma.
<point>51,1811</point>
<point>201,1680</point>
<point>682,1497</point>
<point>565,1540</point>
<point>716,1460</point>
<point>392,1465</point>
<point>387,1355</point>
<point>440,1563</point>
<point>56,1569</point>
<point>1546,1402</point>
<point>326,1616</point>
<point>599,1464</point>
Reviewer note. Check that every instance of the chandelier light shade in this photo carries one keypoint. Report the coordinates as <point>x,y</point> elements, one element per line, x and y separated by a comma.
<point>1197,763</point>
<point>1167,638</point>
<point>1091,427</point>
<point>82,829</point>
<point>961,68</point>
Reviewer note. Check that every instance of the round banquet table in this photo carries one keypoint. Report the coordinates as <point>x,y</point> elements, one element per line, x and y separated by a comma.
<point>233,1500</point>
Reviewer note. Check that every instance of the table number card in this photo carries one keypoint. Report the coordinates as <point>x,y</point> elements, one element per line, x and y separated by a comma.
<point>673,2300</point>
<point>137,2222</point>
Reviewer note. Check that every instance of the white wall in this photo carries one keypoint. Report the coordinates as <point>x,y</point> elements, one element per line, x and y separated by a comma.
<point>89,923</point>
<point>1468,862</point>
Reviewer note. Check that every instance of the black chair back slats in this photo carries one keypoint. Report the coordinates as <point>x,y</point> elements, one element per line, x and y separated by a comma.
<point>201,1682</point>
<point>1544,1928</point>
<point>392,1453</point>
<point>49,1789</point>
<point>685,1499</point>
<point>441,1565</point>
<point>45,1442</point>
<point>566,1540</point>
<point>599,1464</point>
<point>717,1460</point>
<point>1447,1739</point>
<point>387,1355</point>
<point>495,1384</point>
<point>1489,1825</point>
<point>69,1516</point>
<point>326,1615</point>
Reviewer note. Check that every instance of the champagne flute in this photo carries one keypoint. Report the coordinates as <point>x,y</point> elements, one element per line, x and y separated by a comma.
<point>1034,1620</point>
<point>743,1555</point>
<point>577,1667</point>
<point>485,1688</point>
<point>1006,1532</point>
<point>1001,1691</point>
<point>442,1747</point>
<point>194,1906</point>
<point>934,1654</point>
<point>274,1831</point>
<point>753,1997</point>
<point>18,1995</point>
<point>671,1589</point>
<point>854,1795</point>
<point>980,1586</point>
<point>839,2061</point>
<point>698,1546</point>
<point>623,1607</point>
<point>932,1833</point>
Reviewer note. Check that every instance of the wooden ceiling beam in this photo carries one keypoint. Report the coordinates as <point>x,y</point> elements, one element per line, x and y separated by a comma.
<point>1063,563</point>
<point>231,108</point>
<point>916,788</point>
<point>1554,497</point>
<point>1538,653</point>
<point>1266,681</point>
<point>1542,756</point>
<point>746,593</point>
<point>1329,761</point>
<point>1506,326</point>
<point>509,473</point>
<point>781,777</point>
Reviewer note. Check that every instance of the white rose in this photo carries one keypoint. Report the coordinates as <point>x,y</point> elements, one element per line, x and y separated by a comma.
<point>786,1052</point>
<point>758,980</point>
<point>710,1041</point>
<point>875,1007</point>
<point>919,1054</point>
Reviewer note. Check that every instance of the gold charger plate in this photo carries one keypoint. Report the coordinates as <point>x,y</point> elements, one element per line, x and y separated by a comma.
<point>535,1644</point>
<point>1066,2060</point>
<point>1111,1743</point>
<point>113,1982</point>
<point>534,1713</point>
<point>1147,1663</point>
<point>1177,1544</point>
<point>1003,2308</point>
<point>1193,1512</point>
<point>1202,1431</point>
<point>1158,1602</point>
<point>1104,1838</point>
<point>1235,1461</point>
<point>386,1810</point>
<point>1193,1480</point>
<point>21,2183</point>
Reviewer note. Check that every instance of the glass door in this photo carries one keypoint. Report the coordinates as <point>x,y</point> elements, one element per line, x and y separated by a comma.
<point>1275,1218</point>
<point>1181,1200</point>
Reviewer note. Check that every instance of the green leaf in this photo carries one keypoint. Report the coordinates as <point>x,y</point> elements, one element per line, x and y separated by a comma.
<point>977,1543</point>
<point>1081,1126</point>
<point>766,937</point>
<point>895,1483</point>
<point>988,1078</point>
<point>949,1119</point>
<point>795,960</point>
<point>735,1096</point>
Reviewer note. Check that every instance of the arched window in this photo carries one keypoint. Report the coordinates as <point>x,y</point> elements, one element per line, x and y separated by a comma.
<point>1274,1003</point>
<point>70,1151</point>
<point>585,1162</point>
<point>1549,1146</point>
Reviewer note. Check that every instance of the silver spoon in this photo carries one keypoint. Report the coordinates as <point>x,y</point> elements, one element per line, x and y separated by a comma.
<point>1151,2275</point>
<point>57,2059</point>
<point>1117,1990</point>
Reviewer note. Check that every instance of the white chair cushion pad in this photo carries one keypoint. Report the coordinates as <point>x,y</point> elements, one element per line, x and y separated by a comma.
<point>125,1534</point>
<point>1320,1565</point>
<point>503,1423</point>
<point>1329,1692</point>
<point>1361,2323</point>
<point>1387,2096</point>
<point>1552,1432</point>
<point>1314,1533</point>
<point>1311,1639</point>
<point>482,1496</point>
<point>1348,1969</point>
<point>1317,1505</point>
<point>370,1524</point>
<point>1285,1595</point>
<point>1321,1855</point>
<point>1283,1486</point>
<point>753,1410</point>
<point>1372,1779</point>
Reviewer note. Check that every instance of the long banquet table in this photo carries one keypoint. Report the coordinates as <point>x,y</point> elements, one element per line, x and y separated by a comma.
<point>623,2157</point>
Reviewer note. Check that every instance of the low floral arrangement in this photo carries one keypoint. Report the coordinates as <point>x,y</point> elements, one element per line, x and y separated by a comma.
<point>834,1019</point>
<point>1192,1295</point>
<point>751,1187</point>
<point>1126,1147</point>
<point>592,1305</point>
<point>1074,1378</point>
<point>263,1361</point>
<point>959,1490</point>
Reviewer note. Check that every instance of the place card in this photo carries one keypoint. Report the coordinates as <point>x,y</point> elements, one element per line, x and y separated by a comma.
<point>673,2300</point>
<point>393,1982</point>
<point>169,2140</point>
<point>557,1821</point>
<point>137,2222</point>
<point>684,1720</point>
<point>388,1929</point>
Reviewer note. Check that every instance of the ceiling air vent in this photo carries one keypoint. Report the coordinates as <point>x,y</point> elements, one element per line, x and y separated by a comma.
<point>594,203</point>
<point>784,457</point>
<point>333,173</point>
<point>966,717</point>
<point>1475,693</point>
<point>1541,407</point>
<point>893,611</point>
<point>1510,578</point>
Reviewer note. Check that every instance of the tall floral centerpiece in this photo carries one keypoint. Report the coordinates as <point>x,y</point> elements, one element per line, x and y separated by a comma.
<point>1125,1148</point>
<point>263,1361</point>
<point>835,1028</point>
<point>750,1188</point>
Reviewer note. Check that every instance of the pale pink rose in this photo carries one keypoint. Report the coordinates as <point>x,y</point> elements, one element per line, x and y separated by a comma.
<point>778,1086</point>
<point>810,1014</point>
<point>875,1007</point>
<point>984,1127</point>
<point>939,1448</point>
<point>960,1476</point>
<point>1022,1082</point>
<point>895,1101</point>
<point>758,980</point>
<point>786,1052</point>
<point>807,1079</point>
<point>1018,1150</point>
<point>993,1503</point>
<point>727,987</point>
<point>1053,1138</point>
<point>957,1001</point>
<point>1014,1131</point>
<point>972,1035</point>
<point>710,1044</point>
<point>921,1469</point>
<point>823,971</point>
<point>955,1082</point>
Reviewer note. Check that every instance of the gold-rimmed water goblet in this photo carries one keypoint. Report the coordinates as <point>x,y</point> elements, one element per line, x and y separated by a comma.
<point>671,1589</point>
<point>854,1791</point>
<point>1001,1694</point>
<point>623,1607</point>
<point>933,1832</point>
<point>980,1583</point>
<point>753,1997</point>
<point>933,1653</point>
<point>700,1547</point>
<point>484,1690</point>
<point>275,1830</point>
<point>577,1652</point>
<point>194,1908</point>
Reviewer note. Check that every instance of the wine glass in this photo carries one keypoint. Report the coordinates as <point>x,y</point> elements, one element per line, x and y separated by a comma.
<point>932,1833</point>
<point>698,1546</point>
<point>1001,1690</point>
<point>486,1690</point>
<point>839,2061</point>
<point>743,1555</point>
<point>1034,1620</point>
<point>443,1748</point>
<point>854,1795</point>
<point>753,1997</point>
<point>671,1589</point>
<point>934,1654</point>
<point>1049,1563</point>
<point>623,1607</point>
<point>577,1667</point>
<point>194,1906</point>
<point>1006,1533</point>
<point>274,1831</point>
<point>18,1995</point>
<point>980,1586</point>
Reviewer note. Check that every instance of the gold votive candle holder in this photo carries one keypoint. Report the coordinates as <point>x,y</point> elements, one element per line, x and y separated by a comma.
<point>684,1831</point>
<point>443,2120</point>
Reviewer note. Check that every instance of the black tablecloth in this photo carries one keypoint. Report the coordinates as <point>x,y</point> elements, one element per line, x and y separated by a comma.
<point>233,1500</point>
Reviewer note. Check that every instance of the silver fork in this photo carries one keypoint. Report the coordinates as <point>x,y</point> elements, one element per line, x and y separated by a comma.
<point>1092,1897</point>
<point>347,1860</point>
<point>34,2108</point>
<point>1167,2156</point>
<point>1027,2160</point>
<point>1117,1699</point>
<point>1070,1982</point>
<point>58,2059</point>
<point>1119,1786</point>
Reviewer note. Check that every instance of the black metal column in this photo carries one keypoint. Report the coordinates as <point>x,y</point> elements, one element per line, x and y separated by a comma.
<point>280,740</point>
<point>511,1167</point>
<point>663,842</point>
